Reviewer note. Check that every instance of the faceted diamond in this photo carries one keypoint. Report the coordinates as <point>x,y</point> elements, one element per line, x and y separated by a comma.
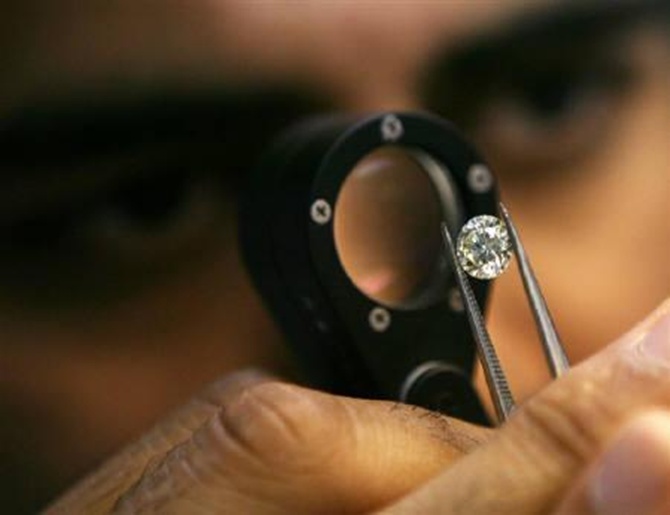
<point>483,247</point>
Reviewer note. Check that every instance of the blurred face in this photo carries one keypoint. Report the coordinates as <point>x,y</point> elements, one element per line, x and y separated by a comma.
<point>121,287</point>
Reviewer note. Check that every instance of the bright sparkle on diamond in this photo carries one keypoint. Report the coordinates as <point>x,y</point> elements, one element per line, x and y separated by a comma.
<point>483,247</point>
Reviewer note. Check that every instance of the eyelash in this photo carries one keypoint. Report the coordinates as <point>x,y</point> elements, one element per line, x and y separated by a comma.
<point>529,119</point>
<point>110,245</point>
<point>547,125</point>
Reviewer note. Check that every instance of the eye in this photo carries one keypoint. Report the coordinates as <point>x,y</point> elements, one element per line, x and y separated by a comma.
<point>536,106</point>
<point>546,121</point>
<point>147,221</point>
<point>112,244</point>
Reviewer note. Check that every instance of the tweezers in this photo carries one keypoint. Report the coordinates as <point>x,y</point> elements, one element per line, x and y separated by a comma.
<point>496,380</point>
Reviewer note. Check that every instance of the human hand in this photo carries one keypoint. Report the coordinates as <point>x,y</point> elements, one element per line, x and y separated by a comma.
<point>597,441</point>
<point>252,445</point>
<point>249,444</point>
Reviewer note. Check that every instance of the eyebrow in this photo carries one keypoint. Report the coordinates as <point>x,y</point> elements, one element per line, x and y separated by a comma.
<point>555,40</point>
<point>65,132</point>
<point>52,154</point>
<point>559,23</point>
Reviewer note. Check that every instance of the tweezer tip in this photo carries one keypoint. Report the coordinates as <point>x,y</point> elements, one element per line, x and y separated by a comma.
<point>504,212</point>
<point>555,353</point>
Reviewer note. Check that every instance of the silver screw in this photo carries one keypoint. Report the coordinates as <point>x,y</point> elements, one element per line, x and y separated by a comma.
<point>379,319</point>
<point>455,300</point>
<point>321,212</point>
<point>391,128</point>
<point>480,178</point>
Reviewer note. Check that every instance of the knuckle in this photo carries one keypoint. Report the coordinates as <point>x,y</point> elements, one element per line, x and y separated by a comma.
<point>577,415</point>
<point>263,432</point>
<point>557,425</point>
<point>275,424</point>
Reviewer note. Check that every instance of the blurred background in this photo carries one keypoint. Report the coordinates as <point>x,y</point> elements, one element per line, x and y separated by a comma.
<point>125,131</point>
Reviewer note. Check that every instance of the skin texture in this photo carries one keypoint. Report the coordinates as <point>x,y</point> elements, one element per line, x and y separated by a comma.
<point>256,446</point>
<point>76,384</point>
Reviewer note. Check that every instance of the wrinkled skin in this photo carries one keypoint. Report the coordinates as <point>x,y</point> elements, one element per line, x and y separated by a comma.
<point>80,378</point>
<point>251,445</point>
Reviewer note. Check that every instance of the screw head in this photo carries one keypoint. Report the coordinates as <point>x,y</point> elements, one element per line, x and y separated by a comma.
<point>379,319</point>
<point>480,178</point>
<point>391,128</point>
<point>321,212</point>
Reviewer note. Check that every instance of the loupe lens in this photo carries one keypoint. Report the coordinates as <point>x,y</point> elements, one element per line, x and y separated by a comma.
<point>387,226</point>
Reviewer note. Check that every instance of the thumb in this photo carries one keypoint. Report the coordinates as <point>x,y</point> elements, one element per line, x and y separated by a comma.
<point>633,475</point>
<point>260,446</point>
<point>532,461</point>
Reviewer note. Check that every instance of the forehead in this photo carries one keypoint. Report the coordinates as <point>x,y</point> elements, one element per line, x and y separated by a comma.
<point>54,45</point>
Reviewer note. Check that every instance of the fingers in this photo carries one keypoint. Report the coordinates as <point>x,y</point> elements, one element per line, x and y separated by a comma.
<point>278,448</point>
<point>529,465</point>
<point>632,477</point>
<point>266,447</point>
<point>100,491</point>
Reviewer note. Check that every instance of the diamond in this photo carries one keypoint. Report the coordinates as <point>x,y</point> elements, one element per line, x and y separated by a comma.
<point>483,247</point>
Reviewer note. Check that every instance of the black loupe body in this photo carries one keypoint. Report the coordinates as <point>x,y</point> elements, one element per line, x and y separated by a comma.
<point>340,228</point>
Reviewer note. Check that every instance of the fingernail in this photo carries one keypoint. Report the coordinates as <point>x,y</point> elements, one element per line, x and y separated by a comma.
<point>656,343</point>
<point>632,477</point>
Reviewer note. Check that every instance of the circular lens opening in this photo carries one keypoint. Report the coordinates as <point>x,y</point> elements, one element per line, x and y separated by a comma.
<point>387,226</point>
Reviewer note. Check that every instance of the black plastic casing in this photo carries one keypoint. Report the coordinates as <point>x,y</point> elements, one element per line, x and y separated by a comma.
<point>424,356</point>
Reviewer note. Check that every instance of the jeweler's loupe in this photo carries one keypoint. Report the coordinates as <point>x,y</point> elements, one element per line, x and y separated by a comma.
<point>341,231</point>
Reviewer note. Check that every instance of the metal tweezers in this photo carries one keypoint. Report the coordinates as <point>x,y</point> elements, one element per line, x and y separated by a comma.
<point>557,360</point>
